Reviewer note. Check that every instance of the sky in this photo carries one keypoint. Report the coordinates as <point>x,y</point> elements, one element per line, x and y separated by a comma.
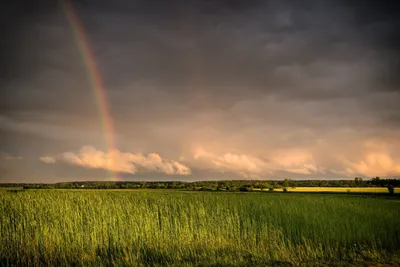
<point>199,90</point>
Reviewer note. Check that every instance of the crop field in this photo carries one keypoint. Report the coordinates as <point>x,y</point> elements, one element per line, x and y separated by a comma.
<point>158,228</point>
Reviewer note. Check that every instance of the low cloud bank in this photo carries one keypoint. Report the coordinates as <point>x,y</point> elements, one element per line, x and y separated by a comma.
<point>48,159</point>
<point>7,156</point>
<point>90,157</point>
<point>372,158</point>
<point>249,166</point>
<point>12,158</point>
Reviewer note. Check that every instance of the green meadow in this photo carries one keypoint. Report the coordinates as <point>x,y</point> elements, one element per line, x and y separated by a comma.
<point>158,228</point>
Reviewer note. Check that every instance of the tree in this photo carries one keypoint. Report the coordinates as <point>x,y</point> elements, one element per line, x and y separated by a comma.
<point>246,188</point>
<point>391,189</point>
<point>376,181</point>
<point>286,183</point>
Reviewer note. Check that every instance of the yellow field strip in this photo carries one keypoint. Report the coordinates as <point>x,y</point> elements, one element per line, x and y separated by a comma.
<point>339,189</point>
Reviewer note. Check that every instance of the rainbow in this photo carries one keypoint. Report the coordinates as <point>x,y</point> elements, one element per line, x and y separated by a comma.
<point>95,78</point>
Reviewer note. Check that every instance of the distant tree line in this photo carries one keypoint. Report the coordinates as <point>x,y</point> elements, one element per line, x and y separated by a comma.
<point>235,185</point>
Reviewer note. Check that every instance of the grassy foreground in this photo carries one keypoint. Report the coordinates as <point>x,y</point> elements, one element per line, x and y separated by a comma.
<point>55,227</point>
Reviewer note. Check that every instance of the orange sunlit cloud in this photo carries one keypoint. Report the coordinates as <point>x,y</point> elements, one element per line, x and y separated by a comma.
<point>90,157</point>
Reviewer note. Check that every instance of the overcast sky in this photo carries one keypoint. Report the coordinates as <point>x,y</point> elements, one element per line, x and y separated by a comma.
<point>201,90</point>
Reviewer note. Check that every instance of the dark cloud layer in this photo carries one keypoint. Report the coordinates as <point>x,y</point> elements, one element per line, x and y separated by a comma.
<point>290,82</point>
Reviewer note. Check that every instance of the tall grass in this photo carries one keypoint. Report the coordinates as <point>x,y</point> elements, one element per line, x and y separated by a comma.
<point>195,228</point>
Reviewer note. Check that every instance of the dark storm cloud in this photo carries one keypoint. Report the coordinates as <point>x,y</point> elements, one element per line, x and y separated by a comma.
<point>221,47</point>
<point>379,22</point>
<point>14,15</point>
<point>247,76</point>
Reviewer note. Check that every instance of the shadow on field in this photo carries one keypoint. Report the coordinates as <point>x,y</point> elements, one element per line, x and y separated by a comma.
<point>346,194</point>
<point>15,191</point>
<point>150,256</point>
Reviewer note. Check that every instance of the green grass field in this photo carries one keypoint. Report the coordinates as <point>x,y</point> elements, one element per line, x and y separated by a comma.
<point>139,228</point>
